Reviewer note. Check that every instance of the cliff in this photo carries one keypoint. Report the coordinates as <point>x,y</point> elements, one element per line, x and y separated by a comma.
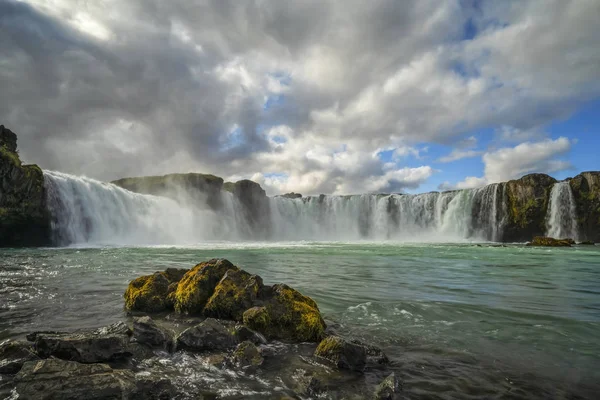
<point>586,191</point>
<point>24,218</point>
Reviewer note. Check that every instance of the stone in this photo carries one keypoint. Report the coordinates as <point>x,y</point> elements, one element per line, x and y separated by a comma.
<point>146,331</point>
<point>13,354</point>
<point>246,354</point>
<point>375,356</point>
<point>309,386</point>
<point>70,380</point>
<point>587,243</point>
<point>243,333</point>
<point>198,284</point>
<point>105,344</point>
<point>147,293</point>
<point>210,334</point>
<point>152,386</point>
<point>342,353</point>
<point>236,292</point>
<point>550,242</point>
<point>388,388</point>
<point>287,315</point>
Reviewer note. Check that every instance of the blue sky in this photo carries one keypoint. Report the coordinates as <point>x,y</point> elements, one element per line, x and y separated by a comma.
<point>335,96</point>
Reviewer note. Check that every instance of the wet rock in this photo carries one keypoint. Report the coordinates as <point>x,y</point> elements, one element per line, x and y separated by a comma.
<point>342,353</point>
<point>198,285</point>
<point>151,386</point>
<point>105,344</point>
<point>550,242</point>
<point>246,354</point>
<point>309,386</point>
<point>210,334</point>
<point>147,293</point>
<point>243,333</point>
<point>139,352</point>
<point>146,331</point>
<point>388,388</point>
<point>375,356</point>
<point>236,292</point>
<point>587,243</point>
<point>66,380</point>
<point>287,315</point>
<point>13,355</point>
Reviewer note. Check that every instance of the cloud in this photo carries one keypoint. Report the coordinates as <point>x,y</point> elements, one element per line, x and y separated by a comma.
<point>513,162</point>
<point>158,87</point>
<point>456,155</point>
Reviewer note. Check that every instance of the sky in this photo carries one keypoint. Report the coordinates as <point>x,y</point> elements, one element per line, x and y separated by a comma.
<point>340,97</point>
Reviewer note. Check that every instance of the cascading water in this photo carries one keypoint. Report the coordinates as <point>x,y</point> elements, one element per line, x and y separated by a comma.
<point>88,211</point>
<point>561,221</point>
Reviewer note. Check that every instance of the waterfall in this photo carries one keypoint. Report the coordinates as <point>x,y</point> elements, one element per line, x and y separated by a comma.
<point>86,211</point>
<point>561,220</point>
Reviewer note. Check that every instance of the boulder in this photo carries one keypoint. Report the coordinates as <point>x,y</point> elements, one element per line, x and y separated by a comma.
<point>287,315</point>
<point>198,284</point>
<point>587,243</point>
<point>147,332</point>
<point>550,242</point>
<point>236,292</point>
<point>147,293</point>
<point>375,356</point>
<point>210,334</point>
<point>388,388</point>
<point>13,355</point>
<point>309,386</point>
<point>342,353</point>
<point>66,380</point>
<point>105,344</point>
<point>246,354</point>
<point>243,333</point>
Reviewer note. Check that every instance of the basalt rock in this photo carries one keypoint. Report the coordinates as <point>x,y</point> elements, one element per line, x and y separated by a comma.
<point>246,354</point>
<point>24,217</point>
<point>208,335</point>
<point>342,353</point>
<point>236,292</point>
<point>13,355</point>
<point>105,344</point>
<point>586,192</point>
<point>388,388</point>
<point>147,332</point>
<point>243,333</point>
<point>153,293</point>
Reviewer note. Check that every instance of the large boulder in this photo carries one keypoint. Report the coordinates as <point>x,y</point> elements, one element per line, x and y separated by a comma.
<point>287,315</point>
<point>66,380</point>
<point>147,332</point>
<point>105,344</point>
<point>24,217</point>
<point>153,293</point>
<point>550,242</point>
<point>69,380</point>
<point>208,335</point>
<point>236,292</point>
<point>13,354</point>
<point>586,192</point>
<point>527,201</point>
<point>342,353</point>
<point>198,284</point>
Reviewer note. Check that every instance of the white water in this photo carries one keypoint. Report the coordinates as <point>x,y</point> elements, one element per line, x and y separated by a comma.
<point>87,211</point>
<point>561,221</point>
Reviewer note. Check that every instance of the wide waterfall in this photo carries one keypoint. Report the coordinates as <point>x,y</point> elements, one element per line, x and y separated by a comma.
<point>561,221</point>
<point>93,212</point>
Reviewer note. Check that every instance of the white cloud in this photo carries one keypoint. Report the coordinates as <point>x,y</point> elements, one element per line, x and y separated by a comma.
<point>457,154</point>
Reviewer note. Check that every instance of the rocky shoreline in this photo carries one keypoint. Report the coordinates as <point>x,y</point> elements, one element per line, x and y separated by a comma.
<point>215,313</point>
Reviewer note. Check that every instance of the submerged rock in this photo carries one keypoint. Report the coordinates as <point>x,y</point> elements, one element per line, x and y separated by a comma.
<point>246,354</point>
<point>587,243</point>
<point>388,388</point>
<point>13,355</point>
<point>375,356</point>
<point>287,315</point>
<point>210,334</point>
<point>342,353</point>
<point>147,332</point>
<point>105,344</point>
<point>236,292</point>
<point>308,385</point>
<point>66,380</point>
<point>550,242</point>
<point>198,284</point>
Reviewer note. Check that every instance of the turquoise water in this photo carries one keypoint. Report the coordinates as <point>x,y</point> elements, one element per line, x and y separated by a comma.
<point>457,320</point>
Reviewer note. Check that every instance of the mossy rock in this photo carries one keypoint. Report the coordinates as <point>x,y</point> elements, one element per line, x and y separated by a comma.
<point>287,315</point>
<point>342,353</point>
<point>150,293</point>
<point>246,354</point>
<point>236,292</point>
<point>550,242</point>
<point>198,285</point>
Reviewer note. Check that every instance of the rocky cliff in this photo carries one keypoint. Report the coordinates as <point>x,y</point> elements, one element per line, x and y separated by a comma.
<point>586,191</point>
<point>24,219</point>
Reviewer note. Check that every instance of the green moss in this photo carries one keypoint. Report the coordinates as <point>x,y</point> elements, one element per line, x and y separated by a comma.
<point>551,242</point>
<point>258,318</point>
<point>235,293</point>
<point>10,156</point>
<point>329,347</point>
<point>147,293</point>
<point>198,285</point>
<point>247,354</point>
